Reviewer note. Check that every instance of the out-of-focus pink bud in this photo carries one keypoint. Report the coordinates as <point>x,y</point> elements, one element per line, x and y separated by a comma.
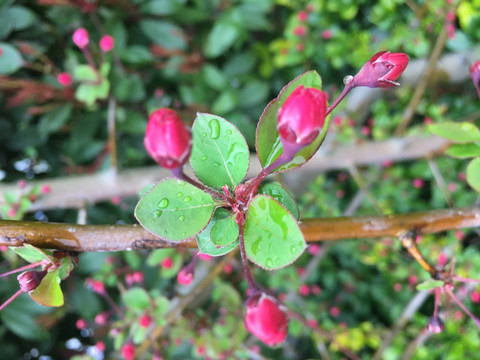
<point>102,318</point>
<point>381,70</point>
<point>435,324</point>
<point>29,280</point>
<point>266,319</point>
<point>45,189</point>
<point>475,75</point>
<point>145,321</point>
<point>185,276</point>
<point>302,116</point>
<point>167,140</point>
<point>300,30</point>
<point>81,324</point>
<point>302,16</point>
<point>64,79</point>
<point>128,351</point>
<point>80,38</point>
<point>167,263</point>
<point>107,43</point>
<point>95,285</point>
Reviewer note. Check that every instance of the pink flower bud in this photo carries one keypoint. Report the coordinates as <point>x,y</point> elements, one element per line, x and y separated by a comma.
<point>145,321</point>
<point>185,276</point>
<point>80,38</point>
<point>302,116</point>
<point>102,318</point>
<point>45,189</point>
<point>64,79</point>
<point>29,280</point>
<point>302,16</point>
<point>95,285</point>
<point>266,319</point>
<point>100,346</point>
<point>107,43</point>
<point>381,70</point>
<point>475,75</point>
<point>81,324</point>
<point>435,325</point>
<point>22,184</point>
<point>304,290</point>
<point>167,140</point>
<point>128,351</point>
<point>167,263</point>
<point>300,30</point>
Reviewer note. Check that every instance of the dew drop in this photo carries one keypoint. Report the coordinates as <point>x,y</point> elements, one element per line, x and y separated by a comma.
<point>214,129</point>
<point>162,204</point>
<point>181,182</point>
<point>204,134</point>
<point>157,213</point>
<point>187,198</point>
<point>293,250</point>
<point>181,218</point>
<point>229,132</point>
<point>184,233</point>
<point>204,157</point>
<point>227,138</point>
<point>256,246</point>
<point>277,261</point>
<point>347,79</point>
<point>269,263</point>
<point>179,194</point>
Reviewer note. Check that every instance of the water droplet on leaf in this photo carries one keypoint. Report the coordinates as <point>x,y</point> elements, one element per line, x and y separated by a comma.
<point>181,218</point>
<point>229,132</point>
<point>204,157</point>
<point>179,194</point>
<point>187,198</point>
<point>162,204</point>
<point>269,263</point>
<point>157,213</point>
<point>214,129</point>
<point>256,246</point>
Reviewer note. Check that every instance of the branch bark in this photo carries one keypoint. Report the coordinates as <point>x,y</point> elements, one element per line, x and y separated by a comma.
<point>84,238</point>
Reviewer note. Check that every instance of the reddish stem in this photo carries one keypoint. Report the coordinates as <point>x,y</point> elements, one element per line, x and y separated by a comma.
<point>26,267</point>
<point>344,93</point>
<point>13,297</point>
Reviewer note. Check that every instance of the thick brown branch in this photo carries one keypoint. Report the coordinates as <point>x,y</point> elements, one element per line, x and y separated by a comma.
<point>132,237</point>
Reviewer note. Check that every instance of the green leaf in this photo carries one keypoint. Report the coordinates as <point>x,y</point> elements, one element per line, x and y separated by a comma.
<point>277,191</point>
<point>49,293</point>
<point>268,144</point>
<point>220,154</point>
<point>463,132</point>
<point>156,256</point>
<point>204,240</point>
<point>429,284</point>
<point>137,55</point>
<point>221,38</point>
<point>463,151</point>
<point>175,210</point>
<point>11,60</point>
<point>85,73</point>
<point>136,299</point>
<point>22,17</point>
<point>54,120</point>
<point>225,231</point>
<point>20,318</point>
<point>164,33</point>
<point>31,254</point>
<point>473,174</point>
<point>273,238</point>
<point>160,7</point>
<point>65,268</point>
<point>89,93</point>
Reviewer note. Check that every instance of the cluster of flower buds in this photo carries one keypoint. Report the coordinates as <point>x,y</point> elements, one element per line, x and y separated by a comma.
<point>81,38</point>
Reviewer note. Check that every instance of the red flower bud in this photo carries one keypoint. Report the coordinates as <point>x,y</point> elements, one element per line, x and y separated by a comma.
<point>80,38</point>
<point>435,325</point>
<point>29,280</point>
<point>475,75</point>
<point>381,70</point>
<point>64,79</point>
<point>128,351</point>
<point>166,139</point>
<point>302,116</point>
<point>145,321</point>
<point>185,276</point>
<point>107,43</point>
<point>265,318</point>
